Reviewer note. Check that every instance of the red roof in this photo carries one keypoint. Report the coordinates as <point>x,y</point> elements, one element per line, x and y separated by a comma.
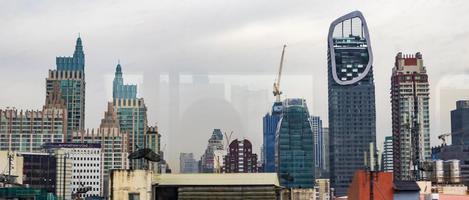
<point>410,61</point>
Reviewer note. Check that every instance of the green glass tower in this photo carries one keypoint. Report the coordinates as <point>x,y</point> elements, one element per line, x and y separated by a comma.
<point>294,153</point>
<point>70,73</point>
<point>132,114</point>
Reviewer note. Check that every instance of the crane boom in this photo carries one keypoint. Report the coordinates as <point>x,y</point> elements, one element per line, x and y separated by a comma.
<point>277,91</point>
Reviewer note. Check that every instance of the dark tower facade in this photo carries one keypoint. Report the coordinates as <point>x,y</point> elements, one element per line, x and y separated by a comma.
<point>240,158</point>
<point>351,99</point>
<point>270,122</point>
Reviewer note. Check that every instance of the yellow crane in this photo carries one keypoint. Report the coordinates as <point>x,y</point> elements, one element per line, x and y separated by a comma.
<point>277,91</point>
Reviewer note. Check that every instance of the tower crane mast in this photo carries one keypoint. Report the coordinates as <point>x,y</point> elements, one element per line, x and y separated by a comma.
<point>276,90</point>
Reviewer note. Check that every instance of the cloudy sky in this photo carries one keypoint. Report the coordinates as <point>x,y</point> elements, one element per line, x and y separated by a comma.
<point>235,44</point>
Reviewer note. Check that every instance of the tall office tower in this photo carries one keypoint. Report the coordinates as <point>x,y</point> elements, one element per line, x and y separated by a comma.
<point>26,131</point>
<point>70,73</point>
<point>325,150</point>
<point>386,159</point>
<point>152,141</point>
<point>352,113</point>
<point>240,158</point>
<point>84,165</point>
<point>410,117</point>
<point>212,160</point>
<point>114,144</point>
<point>270,127</point>
<point>131,114</point>
<point>294,152</point>
<point>316,127</point>
<point>187,163</point>
<point>460,123</point>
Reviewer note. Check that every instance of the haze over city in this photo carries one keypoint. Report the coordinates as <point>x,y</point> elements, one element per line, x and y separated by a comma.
<point>233,49</point>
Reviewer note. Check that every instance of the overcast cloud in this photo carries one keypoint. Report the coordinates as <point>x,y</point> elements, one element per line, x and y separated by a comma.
<point>235,44</point>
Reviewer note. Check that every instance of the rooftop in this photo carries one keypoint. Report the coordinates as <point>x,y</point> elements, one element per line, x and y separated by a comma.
<point>217,179</point>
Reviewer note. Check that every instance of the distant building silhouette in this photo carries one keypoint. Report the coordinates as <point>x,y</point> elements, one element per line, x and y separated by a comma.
<point>187,163</point>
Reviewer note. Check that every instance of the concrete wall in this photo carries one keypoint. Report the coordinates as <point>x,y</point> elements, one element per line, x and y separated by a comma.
<point>123,182</point>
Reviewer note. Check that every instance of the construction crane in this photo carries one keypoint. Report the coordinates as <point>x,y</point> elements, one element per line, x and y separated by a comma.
<point>277,91</point>
<point>442,137</point>
<point>228,140</point>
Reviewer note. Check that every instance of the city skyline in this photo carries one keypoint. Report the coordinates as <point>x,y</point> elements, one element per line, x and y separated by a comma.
<point>30,59</point>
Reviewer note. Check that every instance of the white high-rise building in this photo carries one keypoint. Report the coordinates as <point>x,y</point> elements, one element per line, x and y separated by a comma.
<point>86,168</point>
<point>410,98</point>
<point>386,159</point>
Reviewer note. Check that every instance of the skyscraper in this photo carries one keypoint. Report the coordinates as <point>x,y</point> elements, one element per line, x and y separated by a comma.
<point>460,123</point>
<point>70,74</point>
<point>240,158</point>
<point>325,150</point>
<point>410,116</point>
<point>352,113</point>
<point>316,127</point>
<point>387,161</point>
<point>153,142</point>
<point>270,122</point>
<point>131,114</point>
<point>294,154</point>
<point>212,160</point>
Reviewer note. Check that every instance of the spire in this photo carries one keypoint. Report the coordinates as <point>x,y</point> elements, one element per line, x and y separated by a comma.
<point>79,45</point>
<point>118,68</point>
<point>110,117</point>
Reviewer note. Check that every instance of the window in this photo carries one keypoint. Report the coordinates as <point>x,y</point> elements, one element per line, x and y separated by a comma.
<point>134,196</point>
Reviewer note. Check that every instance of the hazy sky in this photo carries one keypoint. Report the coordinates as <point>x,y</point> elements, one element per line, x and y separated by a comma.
<point>239,41</point>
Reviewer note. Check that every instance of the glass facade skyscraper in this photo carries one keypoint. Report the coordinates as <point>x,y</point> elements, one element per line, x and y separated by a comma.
<point>70,73</point>
<point>132,114</point>
<point>352,113</point>
<point>270,122</point>
<point>294,153</point>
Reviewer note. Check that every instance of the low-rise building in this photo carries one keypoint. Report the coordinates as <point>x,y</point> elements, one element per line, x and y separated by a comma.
<point>144,184</point>
<point>323,187</point>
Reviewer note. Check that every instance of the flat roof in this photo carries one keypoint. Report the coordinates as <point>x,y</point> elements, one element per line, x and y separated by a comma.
<point>208,179</point>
